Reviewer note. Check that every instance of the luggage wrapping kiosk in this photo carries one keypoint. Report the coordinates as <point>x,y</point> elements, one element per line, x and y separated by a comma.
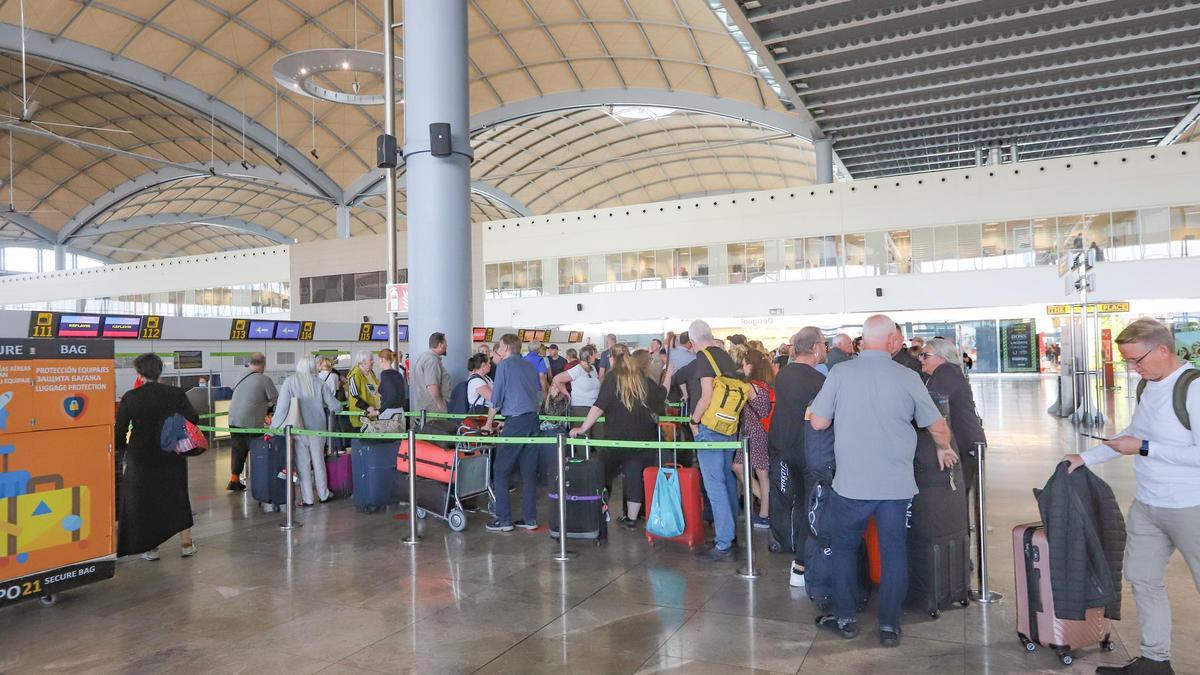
<point>57,488</point>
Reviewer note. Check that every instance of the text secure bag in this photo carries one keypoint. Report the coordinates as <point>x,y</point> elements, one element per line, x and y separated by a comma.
<point>666,510</point>
<point>729,396</point>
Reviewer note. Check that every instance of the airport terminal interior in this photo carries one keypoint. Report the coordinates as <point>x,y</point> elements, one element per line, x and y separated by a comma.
<point>257,255</point>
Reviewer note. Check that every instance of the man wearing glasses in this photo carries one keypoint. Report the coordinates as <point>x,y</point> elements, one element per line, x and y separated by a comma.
<point>1164,442</point>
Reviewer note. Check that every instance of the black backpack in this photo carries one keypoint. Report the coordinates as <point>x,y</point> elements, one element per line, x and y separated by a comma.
<point>458,399</point>
<point>1178,395</point>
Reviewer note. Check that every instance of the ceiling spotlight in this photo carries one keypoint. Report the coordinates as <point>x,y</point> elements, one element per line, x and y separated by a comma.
<point>278,160</point>
<point>345,65</point>
<point>245,165</point>
<point>304,71</point>
<point>313,152</point>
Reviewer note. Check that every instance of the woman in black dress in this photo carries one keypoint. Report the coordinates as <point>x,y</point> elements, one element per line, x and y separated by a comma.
<point>630,403</point>
<point>940,360</point>
<point>154,502</point>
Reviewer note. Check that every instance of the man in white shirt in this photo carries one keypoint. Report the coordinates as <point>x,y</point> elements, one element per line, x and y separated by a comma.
<point>1165,514</point>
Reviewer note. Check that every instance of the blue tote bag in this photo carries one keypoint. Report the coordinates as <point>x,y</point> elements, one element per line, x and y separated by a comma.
<point>666,511</point>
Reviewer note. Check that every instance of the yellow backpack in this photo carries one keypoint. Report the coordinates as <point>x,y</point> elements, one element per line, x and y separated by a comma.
<point>729,396</point>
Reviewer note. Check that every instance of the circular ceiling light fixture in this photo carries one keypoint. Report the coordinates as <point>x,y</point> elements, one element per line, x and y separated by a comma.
<point>299,72</point>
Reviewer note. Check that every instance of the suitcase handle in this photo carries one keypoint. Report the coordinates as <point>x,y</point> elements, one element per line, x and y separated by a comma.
<point>53,479</point>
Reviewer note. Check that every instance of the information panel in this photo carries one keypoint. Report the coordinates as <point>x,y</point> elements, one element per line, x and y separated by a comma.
<point>56,466</point>
<point>107,326</point>
<point>261,330</point>
<point>239,329</point>
<point>307,330</point>
<point>287,330</point>
<point>1018,352</point>
<point>479,334</point>
<point>78,326</point>
<point>575,336</point>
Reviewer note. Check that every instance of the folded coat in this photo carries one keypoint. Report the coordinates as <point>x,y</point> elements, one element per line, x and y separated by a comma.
<point>1086,535</point>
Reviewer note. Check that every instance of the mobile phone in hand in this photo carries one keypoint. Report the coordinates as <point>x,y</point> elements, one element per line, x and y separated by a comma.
<point>1099,438</point>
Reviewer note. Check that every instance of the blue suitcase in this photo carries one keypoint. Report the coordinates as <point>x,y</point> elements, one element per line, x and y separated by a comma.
<point>375,476</point>
<point>267,459</point>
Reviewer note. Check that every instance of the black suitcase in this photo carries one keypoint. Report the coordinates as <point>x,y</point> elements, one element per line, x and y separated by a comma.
<point>586,511</point>
<point>939,538</point>
<point>376,479</point>
<point>268,459</point>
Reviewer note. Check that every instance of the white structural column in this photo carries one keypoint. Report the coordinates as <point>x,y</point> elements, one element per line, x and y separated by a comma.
<point>824,149</point>
<point>439,222</point>
<point>342,221</point>
<point>60,257</point>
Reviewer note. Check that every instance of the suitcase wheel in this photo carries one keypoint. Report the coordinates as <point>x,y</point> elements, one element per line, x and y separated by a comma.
<point>52,600</point>
<point>964,603</point>
<point>421,513</point>
<point>775,547</point>
<point>1029,646</point>
<point>1107,645</point>
<point>1066,658</point>
<point>935,613</point>
<point>457,520</point>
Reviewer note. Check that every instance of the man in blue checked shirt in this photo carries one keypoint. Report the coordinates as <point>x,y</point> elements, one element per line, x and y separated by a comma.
<point>515,393</point>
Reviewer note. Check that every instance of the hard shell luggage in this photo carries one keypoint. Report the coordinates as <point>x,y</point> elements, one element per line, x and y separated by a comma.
<point>939,537</point>
<point>268,460</point>
<point>339,473</point>
<point>584,482</point>
<point>693,504</point>
<point>375,475</point>
<point>1036,622</point>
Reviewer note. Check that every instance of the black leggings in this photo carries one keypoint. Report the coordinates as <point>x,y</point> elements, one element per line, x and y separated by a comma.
<point>631,463</point>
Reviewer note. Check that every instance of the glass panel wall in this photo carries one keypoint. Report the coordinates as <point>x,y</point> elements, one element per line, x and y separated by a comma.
<point>1116,236</point>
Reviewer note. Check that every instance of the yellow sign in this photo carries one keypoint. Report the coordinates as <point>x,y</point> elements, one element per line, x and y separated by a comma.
<point>1103,307</point>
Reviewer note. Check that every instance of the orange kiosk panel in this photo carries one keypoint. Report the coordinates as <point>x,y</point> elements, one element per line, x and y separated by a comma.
<point>57,494</point>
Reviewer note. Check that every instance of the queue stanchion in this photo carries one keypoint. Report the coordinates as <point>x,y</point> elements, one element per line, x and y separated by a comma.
<point>983,594</point>
<point>423,419</point>
<point>748,572</point>
<point>563,555</point>
<point>289,498</point>
<point>412,537</point>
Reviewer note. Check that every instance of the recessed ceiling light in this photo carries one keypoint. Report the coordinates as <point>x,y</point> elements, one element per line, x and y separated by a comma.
<point>345,65</point>
<point>304,71</point>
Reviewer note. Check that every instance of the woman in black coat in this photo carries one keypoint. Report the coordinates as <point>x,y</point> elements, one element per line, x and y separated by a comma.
<point>154,504</point>
<point>941,362</point>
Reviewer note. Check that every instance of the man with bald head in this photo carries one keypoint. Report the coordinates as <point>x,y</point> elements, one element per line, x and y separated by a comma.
<point>841,350</point>
<point>872,402</point>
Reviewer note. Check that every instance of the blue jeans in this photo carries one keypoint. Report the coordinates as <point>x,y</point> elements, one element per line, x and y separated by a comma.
<point>522,457</point>
<point>849,518</point>
<point>716,468</point>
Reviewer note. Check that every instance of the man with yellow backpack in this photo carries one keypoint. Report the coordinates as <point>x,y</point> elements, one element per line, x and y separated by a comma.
<point>715,418</point>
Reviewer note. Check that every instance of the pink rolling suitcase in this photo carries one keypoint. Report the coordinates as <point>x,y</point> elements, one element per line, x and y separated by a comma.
<point>339,474</point>
<point>1036,622</point>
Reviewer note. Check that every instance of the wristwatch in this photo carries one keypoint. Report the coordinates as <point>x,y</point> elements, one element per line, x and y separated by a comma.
<point>1145,450</point>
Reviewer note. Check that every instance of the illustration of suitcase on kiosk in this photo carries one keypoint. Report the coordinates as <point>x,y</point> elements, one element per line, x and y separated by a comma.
<point>33,518</point>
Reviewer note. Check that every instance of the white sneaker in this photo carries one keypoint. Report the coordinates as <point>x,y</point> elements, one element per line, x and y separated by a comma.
<point>152,554</point>
<point>797,580</point>
<point>188,551</point>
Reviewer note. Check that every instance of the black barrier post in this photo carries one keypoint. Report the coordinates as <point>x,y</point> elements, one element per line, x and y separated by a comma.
<point>412,537</point>
<point>748,572</point>
<point>288,522</point>
<point>563,555</point>
<point>982,594</point>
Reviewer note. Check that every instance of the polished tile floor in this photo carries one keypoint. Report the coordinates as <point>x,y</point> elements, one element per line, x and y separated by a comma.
<point>342,594</point>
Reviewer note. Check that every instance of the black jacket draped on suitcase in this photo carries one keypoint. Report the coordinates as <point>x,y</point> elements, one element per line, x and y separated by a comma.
<point>1086,535</point>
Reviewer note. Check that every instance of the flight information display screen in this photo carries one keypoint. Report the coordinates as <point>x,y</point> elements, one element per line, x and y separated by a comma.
<point>121,327</point>
<point>79,326</point>
<point>261,330</point>
<point>287,330</point>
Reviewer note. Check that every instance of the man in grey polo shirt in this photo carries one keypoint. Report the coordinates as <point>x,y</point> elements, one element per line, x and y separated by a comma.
<point>872,402</point>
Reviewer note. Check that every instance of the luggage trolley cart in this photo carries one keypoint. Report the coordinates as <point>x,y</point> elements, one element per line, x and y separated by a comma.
<point>447,475</point>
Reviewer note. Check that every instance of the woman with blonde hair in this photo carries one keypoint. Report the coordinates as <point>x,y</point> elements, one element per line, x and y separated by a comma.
<point>630,403</point>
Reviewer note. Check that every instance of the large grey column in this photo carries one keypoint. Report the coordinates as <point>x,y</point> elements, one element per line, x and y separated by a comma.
<point>439,218</point>
<point>824,148</point>
<point>342,221</point>
<point>60,258</point>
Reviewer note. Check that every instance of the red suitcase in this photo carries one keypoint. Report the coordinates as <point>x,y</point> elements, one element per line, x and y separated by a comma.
<point>693,504</point>
<point>1036,622</point>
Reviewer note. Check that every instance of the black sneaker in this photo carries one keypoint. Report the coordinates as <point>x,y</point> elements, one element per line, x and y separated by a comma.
<point>715,554</point>
<point>497,526</point>
<point>847,629</point>
<point>236,486</point>
<point>889,637</point>
<point>627,523</point>
<point>531,525</point>
<point>1139,666</point>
